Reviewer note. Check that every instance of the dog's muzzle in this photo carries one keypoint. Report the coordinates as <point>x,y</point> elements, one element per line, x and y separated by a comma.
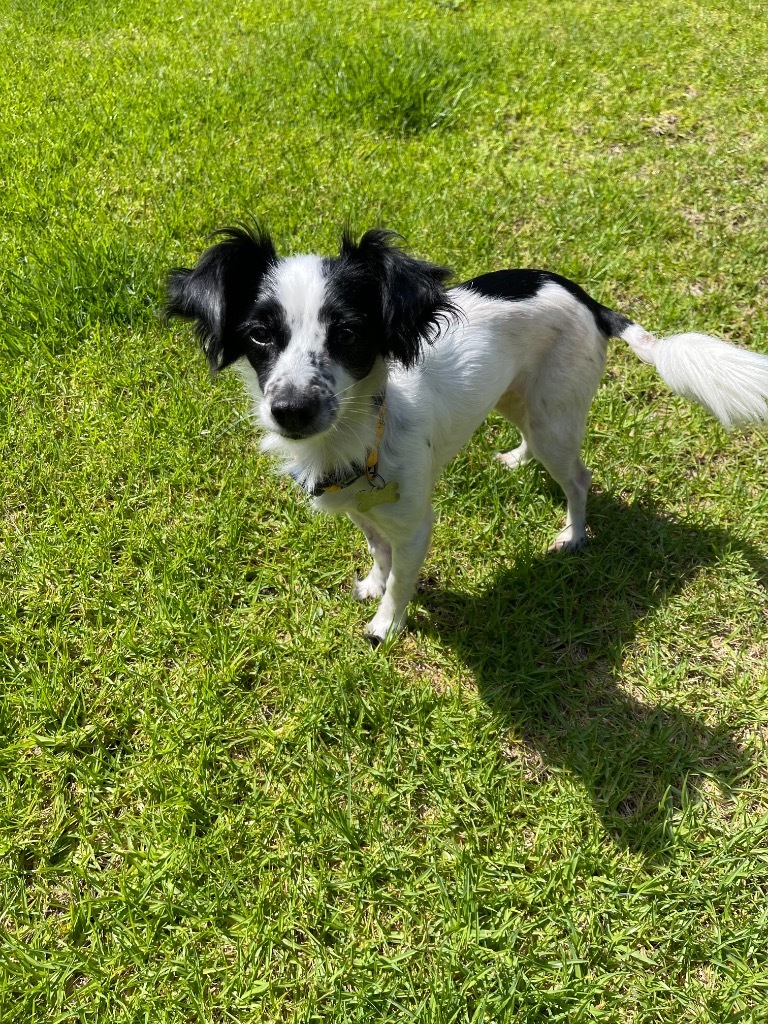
<point>300,414</point>
<point>295,418</point>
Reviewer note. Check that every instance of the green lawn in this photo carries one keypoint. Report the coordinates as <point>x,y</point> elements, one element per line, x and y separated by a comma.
<point>549,800</point>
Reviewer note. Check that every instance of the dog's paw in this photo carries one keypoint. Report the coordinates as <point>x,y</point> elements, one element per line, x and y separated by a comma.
<point>380,629</point>
<point>514,459</point>
<point>370,587</point>
<point>566,541</point>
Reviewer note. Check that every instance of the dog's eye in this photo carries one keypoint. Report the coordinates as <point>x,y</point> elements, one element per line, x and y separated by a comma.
<point>260,336</point>
<point>344,335</point>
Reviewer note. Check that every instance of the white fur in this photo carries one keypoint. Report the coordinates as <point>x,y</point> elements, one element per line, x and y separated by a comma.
<point>538,361</point>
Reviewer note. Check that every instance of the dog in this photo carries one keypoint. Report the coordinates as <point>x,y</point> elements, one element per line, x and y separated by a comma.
<point>368,374</point>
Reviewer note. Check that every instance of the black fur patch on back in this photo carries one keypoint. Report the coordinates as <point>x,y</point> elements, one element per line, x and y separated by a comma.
<point>518,285</point>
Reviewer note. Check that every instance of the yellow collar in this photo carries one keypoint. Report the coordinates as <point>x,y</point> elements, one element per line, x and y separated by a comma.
<point>370,469</point>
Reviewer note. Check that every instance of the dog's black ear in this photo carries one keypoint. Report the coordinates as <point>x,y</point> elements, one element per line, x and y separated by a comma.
<point>218,292</point>
<point>412,297</point>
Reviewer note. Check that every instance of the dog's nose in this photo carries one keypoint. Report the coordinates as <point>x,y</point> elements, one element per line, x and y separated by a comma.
<point>294,413</point>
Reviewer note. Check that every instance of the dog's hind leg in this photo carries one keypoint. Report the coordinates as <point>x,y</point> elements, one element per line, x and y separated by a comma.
<point>375,582</point>
<point>512,408</point>
<point>556,411</point>
<point>557,446</point>
<point>575,482</point>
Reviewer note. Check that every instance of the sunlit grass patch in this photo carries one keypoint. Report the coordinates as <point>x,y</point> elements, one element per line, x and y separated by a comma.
<point>546,801</point>
<point>409,82</point>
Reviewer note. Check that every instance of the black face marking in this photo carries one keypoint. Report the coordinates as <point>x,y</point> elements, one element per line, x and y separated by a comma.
<point>357,356</point>
<point>266,324</point>
<point>322,365</point>
<point>518,285</point>
<point>266,334</point>
<point>351,338</point>
<point>323,378</point>
<point>263,362</point>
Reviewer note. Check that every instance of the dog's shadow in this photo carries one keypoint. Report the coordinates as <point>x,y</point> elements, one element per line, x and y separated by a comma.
<point>546,643</point>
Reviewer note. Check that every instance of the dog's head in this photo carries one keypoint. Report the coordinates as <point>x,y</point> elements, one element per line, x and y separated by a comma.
<point>309,326</point>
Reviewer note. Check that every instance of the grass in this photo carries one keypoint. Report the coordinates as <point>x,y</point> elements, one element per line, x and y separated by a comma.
<point>547,802</point>
<point>408,82</point>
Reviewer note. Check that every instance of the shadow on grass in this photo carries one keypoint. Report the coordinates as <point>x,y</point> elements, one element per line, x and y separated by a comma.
<point>546,643</point>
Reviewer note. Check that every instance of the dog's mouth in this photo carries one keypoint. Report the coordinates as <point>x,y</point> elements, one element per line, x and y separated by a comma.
<point>303,434</point>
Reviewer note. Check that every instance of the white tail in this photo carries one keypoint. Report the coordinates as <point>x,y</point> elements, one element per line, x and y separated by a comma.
<point>730,382</point>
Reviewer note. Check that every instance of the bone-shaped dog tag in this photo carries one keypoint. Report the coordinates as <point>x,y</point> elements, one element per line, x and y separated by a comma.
<point>387,495</point>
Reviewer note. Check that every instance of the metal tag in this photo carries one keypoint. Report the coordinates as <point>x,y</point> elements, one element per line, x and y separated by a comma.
<point>386,495</point>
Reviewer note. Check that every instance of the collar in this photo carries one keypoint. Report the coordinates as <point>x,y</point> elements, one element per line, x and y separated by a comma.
<point>345,477</point>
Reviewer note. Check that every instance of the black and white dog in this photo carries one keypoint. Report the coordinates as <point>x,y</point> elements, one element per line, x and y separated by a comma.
<point>368,375</point>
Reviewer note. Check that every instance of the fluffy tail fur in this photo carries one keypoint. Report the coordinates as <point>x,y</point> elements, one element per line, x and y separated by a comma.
<point>730,382</point>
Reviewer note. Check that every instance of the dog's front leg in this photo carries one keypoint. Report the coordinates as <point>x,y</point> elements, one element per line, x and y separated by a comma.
<point>375,582</point>
<point>407,558</point>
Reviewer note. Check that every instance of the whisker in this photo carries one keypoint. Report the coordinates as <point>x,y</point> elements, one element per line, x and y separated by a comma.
<point>235,423</point>
<point>349,387</point>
